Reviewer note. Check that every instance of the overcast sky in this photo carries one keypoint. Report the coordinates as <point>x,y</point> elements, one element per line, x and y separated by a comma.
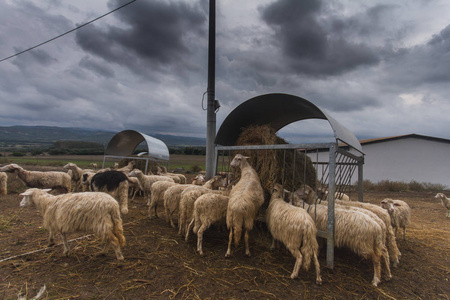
<point>380,69</point>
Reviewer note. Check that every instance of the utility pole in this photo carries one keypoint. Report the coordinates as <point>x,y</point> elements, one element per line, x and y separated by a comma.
<point>212,103</point>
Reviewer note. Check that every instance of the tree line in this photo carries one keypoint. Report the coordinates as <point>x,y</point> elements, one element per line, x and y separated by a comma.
<point>86,148</point>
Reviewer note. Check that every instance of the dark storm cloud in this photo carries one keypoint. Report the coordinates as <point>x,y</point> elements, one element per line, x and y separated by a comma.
<point>309,44</point>
<point>155,31</point>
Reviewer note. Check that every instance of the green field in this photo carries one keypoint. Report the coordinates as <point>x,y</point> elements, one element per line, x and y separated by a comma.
<point>176,160</point>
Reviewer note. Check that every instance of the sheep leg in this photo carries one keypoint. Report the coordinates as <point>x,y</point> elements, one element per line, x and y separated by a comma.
<point>247,248</point>
<point>188,230</point>
<point>317,266</point>
<point>200,239</point>
<point>404,233</point>
<point>124,204</point>
<point>385,256</point>
<point>51,239</point>
<point>114,242</point>
<point>230,239</point>
<point>66,245</point>
<point>298,262</point>
<point>376,270</point>
<point>181,221</point>
<point>272,247</point>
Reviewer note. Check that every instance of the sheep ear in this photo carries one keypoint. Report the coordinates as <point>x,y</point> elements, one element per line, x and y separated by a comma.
<point>383,202</point>
<point>46,190</point>
<point>27,193</point>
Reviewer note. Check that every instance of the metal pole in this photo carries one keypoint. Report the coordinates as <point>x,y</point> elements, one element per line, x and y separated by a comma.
<point>211,114</point>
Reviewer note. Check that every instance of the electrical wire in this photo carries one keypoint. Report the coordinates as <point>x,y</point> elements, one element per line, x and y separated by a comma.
<point>76,28</point>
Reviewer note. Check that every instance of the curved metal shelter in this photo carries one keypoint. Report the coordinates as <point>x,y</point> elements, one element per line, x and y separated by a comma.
<point>278,110</point>
<point>125,142</point>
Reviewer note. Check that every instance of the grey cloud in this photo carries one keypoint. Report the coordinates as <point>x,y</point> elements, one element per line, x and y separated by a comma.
<point>98,68</point>
<point>309,46</point>
<point>155,34</point>
<point>422,65</point>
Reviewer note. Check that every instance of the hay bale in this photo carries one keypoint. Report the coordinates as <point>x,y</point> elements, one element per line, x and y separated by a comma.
<point>287,167</point>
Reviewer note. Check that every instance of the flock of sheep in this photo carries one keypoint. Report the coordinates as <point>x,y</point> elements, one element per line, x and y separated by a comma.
<point>95,201</point>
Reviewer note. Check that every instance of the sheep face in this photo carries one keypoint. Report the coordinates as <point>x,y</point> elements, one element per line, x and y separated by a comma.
<point>68,166</point>
<point>439,196</point>
<point>389,205</point>
<point>277,191</point>
<point>237,161</point>
<point>135,173</point>
<point>199,180</point>
<point>219,182</point>
<point>27,199</point>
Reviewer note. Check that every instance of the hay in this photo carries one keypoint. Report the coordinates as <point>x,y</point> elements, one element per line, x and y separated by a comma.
<point>287,167</point>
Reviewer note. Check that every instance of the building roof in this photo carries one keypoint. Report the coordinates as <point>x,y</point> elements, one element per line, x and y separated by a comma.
<point>400,137</point>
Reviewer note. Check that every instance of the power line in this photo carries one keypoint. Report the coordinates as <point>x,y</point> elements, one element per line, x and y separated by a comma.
<point>76,28</point>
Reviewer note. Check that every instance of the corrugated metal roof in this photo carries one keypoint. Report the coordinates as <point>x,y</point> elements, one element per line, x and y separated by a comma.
<point>124,143</point>
<point>278,110</point>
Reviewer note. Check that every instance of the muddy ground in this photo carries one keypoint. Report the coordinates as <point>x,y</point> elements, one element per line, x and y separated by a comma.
<point>159,264</point>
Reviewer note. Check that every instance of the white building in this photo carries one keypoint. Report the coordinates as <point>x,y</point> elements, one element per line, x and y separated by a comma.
<point>406,158</point>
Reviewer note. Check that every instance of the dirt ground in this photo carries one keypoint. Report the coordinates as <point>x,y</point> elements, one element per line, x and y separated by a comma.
<point>159,264</point>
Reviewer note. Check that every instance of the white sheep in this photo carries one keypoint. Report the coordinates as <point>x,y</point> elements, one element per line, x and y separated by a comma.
<point>356,231</point>
<point>36,179</point>
<point>114,183</point>
<point>304,193</point>
<point>394,252</point>
<point>337,195</point>
<point>215,183</point>
<point>157,196</point>
<point>246,197</point>
<point>186,207</point>
<point>295,228</point>
<point>94,166</point>
<point>135,186</point>
<point>89,212</point>
<point>400,213</point>
<point>199,180</point>
<point>147,181</point>
<point>163,171</point>
<point>172,198</point>
<point>445,202</point>
<point>208,209</point>
<point>76,174</point>
<point>3,183</point>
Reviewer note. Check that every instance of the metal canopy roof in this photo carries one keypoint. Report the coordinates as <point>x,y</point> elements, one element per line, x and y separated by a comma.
<point>124,143</point>
<point>278,110</point>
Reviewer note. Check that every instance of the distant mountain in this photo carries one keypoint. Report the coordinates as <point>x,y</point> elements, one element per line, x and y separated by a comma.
<point>47,135</point>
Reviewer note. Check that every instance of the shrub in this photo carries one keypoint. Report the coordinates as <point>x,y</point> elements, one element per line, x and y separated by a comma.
<point>196,168</point>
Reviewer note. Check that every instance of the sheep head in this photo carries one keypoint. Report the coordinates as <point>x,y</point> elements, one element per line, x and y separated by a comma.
<point>238,161</point>
<point>389,204</point>
<point>11,168</point>
<point>135,173</point>
<point>277,191</point>
<point>69,166</point>
<point>440,196</point>
<point>28,195</point>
